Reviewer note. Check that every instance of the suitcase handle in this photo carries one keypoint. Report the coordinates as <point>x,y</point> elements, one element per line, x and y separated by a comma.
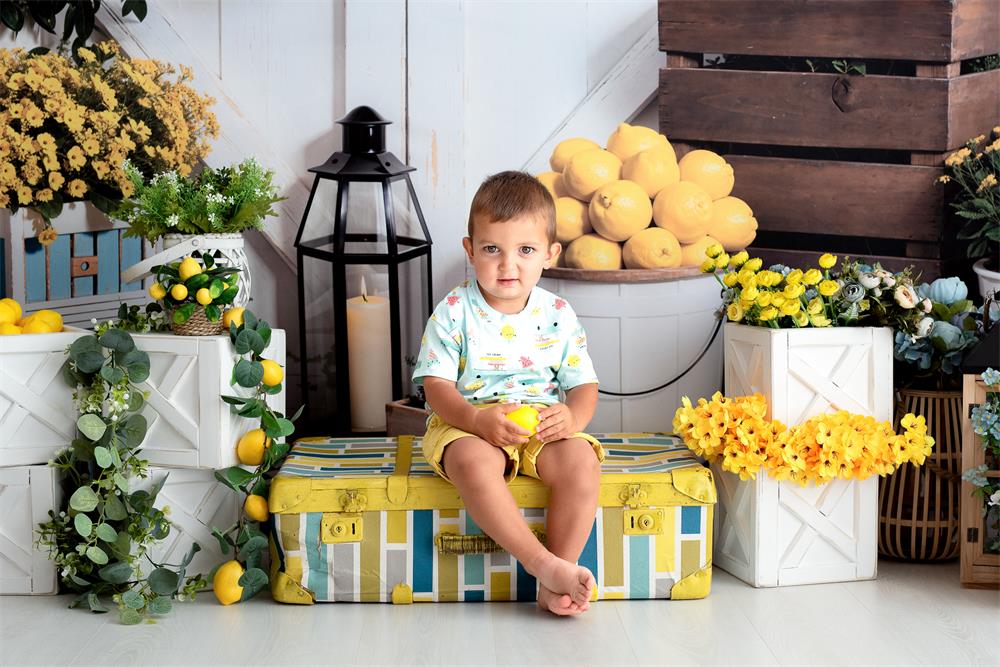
<point>450,544</point>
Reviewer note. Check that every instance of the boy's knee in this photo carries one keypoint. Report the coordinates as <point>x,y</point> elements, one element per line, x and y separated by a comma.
<point>472,459</point>
<point>578,464</point>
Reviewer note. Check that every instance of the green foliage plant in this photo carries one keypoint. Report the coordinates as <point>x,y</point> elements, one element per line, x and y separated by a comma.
<point>78,18</point>
<point>975,170</point>
<point>100,539</point>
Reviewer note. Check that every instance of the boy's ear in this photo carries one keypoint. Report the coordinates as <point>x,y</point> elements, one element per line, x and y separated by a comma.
<point>467,244</point>
<point>555,249</point>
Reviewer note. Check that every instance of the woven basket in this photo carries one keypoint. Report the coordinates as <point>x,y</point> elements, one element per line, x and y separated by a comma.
<point>919,507</point>
<point>197,325</point>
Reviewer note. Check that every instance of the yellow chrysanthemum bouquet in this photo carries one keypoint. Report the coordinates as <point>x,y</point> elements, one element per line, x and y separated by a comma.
<point>831,446</point>
<point>66,129</point>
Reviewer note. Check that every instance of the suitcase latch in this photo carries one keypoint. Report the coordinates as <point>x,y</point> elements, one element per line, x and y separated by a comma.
<point>353,501</point>
<point>633,495</point>
<point>336,528</point>
<point>644,521</point>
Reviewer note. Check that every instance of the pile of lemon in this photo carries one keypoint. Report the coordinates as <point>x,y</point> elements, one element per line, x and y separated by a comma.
<point>13,321</point>
<point>634,204</point>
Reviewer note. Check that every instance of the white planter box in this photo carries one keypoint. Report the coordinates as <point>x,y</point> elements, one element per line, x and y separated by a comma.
<point>26,496</point>
<point>772,533</point>
<point>189,425</point>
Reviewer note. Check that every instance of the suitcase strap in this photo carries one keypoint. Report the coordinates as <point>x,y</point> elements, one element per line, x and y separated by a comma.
<point>397,484</point>
<point>450,544</point>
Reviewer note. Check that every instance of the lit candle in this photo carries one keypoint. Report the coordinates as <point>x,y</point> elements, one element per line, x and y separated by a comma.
<point>369,351</point>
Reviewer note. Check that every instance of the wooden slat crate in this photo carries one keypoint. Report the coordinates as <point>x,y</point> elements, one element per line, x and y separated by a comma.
<point>79,275</point>
<point>845,163</point>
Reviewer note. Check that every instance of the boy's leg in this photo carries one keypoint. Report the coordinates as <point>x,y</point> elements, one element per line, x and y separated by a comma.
<point>572,471</point>
<point>476,468</point>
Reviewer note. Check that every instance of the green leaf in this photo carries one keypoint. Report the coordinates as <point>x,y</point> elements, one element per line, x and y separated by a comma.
<point>272,390</point>
<point>159,605</point>
<point>270,424</point>
<point>117,340</point>
<point>97,555</point>
<point>84,526</point>
<point>114,509</point>
<point>136,363</point>
<point>256,543</point>
<point>234,477</point>
<point>253,409</point>
<point>140,501</point>
<point>130,617</point>
<point>117,573</point>
<point>112,374</point>
<point>134,430</point>
<point>298,413</point>
<point>163,581</point>
<point>11,16</point>
<point>216,289</point>
<point>91,426</point>
<point>248,373</point>
<point>94,602</point>
<point>197,281</point>
<point>120,482</point>
<point>183,313</point>
<point>135,401</point>
<point>89,362</point>
<point>106,532</point>
<point>253,581</point>
<point>260,487</point>
<point>133,600</point>
<point>235,400</point>
<point>223,540</point>
<point>83,499</point>
<point>208,260</point>
<point>264,329</point>
<point>195,548</point>
<point>247,340</point>
<point>103,457</point>
<point>249,319</point>
<point>228,296</point>
<point>285,428</point>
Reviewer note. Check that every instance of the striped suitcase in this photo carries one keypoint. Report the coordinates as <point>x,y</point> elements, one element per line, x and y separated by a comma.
<point>366,519</point>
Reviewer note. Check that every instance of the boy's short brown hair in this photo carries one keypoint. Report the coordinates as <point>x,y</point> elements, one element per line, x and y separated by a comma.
<point>510,194</point>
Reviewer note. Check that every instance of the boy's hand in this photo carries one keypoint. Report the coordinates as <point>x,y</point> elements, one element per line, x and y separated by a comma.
<point>493,426</point>
<point>556,422</point>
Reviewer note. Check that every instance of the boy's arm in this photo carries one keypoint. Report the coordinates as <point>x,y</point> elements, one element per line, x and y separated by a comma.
<point>449,404</point>
<point>582,402</point>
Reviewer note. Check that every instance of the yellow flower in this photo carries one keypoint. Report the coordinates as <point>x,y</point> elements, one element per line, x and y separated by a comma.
<point>794,290</point>
<point>995,146</point>
<point>764,299</point>
<point>812,277</point>
<point>101,168</point>
<point>778,299</point>
<point>708,266</point>
<point>769,313</point>
<point>23,195</point>
<point>44,195</point>
<point>815,306</point>
<point>978,139</point>
<point>76,188</point>
<point>794,277</point>
<point>988,182</point>
<point>827,261</point>
<point>791,307</point>
<point>56,180</point>
<point>713,250</point>
<point>47,236</point>
<point>729,279</point>
<point>91,146</point>
<point>747,278</point>
<point>739,259</point>
<point>800,319</point>
<point>829,287</point>
<point>944,179</point>
<point>86,55</point>
<point>750,294</point>
<point>958,157</point>
<point>734,312</point>
<point>722,261</point>
<point>754,264</point>
<point>76,157</point>
<point>819,320</point>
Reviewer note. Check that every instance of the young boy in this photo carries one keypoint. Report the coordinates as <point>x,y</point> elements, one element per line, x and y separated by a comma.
<point>498,341</point>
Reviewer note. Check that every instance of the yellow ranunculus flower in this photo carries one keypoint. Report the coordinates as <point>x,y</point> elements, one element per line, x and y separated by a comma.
<point>794,290</point>
<point>746,278</point>
<point>722,261</point>
<point>794,277</point>
<point>819,321</point>
<point>827,261</point>
<point>729,279</point>
<point>812,277</point>
<point>739,259</point>
<point>829,287</point>
<point>754,264</point>
<point>800,319</point>
<point>778,299</point>
<point>734,312</point>
<point>714,250</point>
<point>750,293</point>
<point>791,307</point>
<point>815,306</point>
<point>708,266</point>
<point>764,299</point>
<point>768,314</point>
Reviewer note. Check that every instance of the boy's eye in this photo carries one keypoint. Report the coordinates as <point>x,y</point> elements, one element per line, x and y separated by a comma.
<point>527,249</point>
<point>490,249</point>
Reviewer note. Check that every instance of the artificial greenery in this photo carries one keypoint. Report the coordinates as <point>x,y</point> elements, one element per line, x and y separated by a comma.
<point>206,285</point>
<point>216,201</point>
<point>245,538</point>
<point>100,539</point>
<point>78,20</point>
<point>136,319</point>
<point>975,169</point>
<point>985,421</point>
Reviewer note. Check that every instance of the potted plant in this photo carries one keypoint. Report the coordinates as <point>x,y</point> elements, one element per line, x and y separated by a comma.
<point>196,293</point>
<point>975,170</point>
<point>206,212</point>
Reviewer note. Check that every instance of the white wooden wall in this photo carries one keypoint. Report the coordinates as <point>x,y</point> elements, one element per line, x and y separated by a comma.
<point>471,87</point>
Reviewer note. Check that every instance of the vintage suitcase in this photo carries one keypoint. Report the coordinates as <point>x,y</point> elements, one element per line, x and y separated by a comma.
<point>366,519</point>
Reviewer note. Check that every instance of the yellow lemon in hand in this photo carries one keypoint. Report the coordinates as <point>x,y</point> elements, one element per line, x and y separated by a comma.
<point>255,507</point>
<point>15,306</point>
<point>157,291</point>
<point>226,582</point>
<point>234,316</point>
<point>526,417</point>
<point>189,267</point>
<point>9,329</point>
<point>250,448</point>
<point>51,318</point>
<point>203,296</point>
<point>179,292</point>
<point>273,373</point>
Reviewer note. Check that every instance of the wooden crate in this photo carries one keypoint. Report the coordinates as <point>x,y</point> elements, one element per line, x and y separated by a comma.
<point>79,275</point>
<point>402,418</point>
<point>980,568</point>
<point>835,162</point>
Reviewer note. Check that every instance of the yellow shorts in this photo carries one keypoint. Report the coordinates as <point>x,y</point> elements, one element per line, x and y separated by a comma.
<point>523,458</point>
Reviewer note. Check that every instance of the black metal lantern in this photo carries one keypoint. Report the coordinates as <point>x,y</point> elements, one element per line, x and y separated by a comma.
<point>364,267</point>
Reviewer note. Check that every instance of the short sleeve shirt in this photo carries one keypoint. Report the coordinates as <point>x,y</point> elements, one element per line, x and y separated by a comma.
<point>492,356</point>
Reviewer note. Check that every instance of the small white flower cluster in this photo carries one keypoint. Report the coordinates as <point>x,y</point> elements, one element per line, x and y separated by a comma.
<point>172,220</point>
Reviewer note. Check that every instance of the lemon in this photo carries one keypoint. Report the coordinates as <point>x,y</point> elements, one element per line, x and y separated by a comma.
<point>53,319</point>
<point>526,417</point>
<point>572,219</point>
<point>157,291</point>
<point>15,306</point>
<point>588,170</point>
<point>566,149</point>
<point>627,140</point>
<point>7,314</point>
<point>8,329</point>
<point>179,292</point>
<point>226,582</point>
<point>36,326</point>
<point>653,169</point>
<point>203,296</point>
<point>732,223</point>
<point>693,254</point>
<point>684,209</point>
<point>593,251</point>
<point>250,448</point>
<point>188,268</point>
<point>652,248</point>
<point>233,315</point>
<point>255,507</point>
<point>273,373</point>
<point>553,182</point>
<point>620,209</point>
<point>709,170</point>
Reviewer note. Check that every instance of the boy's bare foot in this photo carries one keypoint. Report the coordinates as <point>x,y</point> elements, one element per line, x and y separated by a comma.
<point>564,578</point>
<point>560,605</point>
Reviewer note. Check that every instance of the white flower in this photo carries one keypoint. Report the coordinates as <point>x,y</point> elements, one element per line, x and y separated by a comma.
<point>905,296</point>
<point>868,280</point>
<point>172,220</point>
<point>876,292</point>
<point>924,326</point>
<point>886,277</point>
<point>926,305</point>
<point>995,498</point>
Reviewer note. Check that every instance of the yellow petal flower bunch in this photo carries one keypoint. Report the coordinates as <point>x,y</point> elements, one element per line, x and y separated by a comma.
<point>66,128</point>
<point>838,445</point>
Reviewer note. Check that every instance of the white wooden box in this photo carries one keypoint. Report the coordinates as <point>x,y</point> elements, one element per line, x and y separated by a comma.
<point>27,494</point>
<point>189,424</point>
<point>772,533</point>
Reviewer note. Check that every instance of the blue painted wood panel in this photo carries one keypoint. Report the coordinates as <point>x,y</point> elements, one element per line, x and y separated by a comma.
<point>83,246</point>
<point>131,254</point>
<point>59,267</point>
<point>108,280</point>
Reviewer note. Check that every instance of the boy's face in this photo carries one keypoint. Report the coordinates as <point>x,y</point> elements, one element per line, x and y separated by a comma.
<point>508,258</point>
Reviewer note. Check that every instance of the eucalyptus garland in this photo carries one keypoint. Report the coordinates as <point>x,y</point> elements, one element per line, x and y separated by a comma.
<point>101,537</point>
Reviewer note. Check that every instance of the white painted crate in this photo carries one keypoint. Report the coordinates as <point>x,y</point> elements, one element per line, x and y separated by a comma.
<point>189,425</point>
<point>27,494</point>
<point>772,533</point>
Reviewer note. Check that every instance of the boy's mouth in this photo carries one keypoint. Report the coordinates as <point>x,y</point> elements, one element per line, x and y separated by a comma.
<point>507,282</point>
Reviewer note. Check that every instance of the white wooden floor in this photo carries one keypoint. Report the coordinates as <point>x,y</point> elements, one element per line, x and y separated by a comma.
<point>913,614</point>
